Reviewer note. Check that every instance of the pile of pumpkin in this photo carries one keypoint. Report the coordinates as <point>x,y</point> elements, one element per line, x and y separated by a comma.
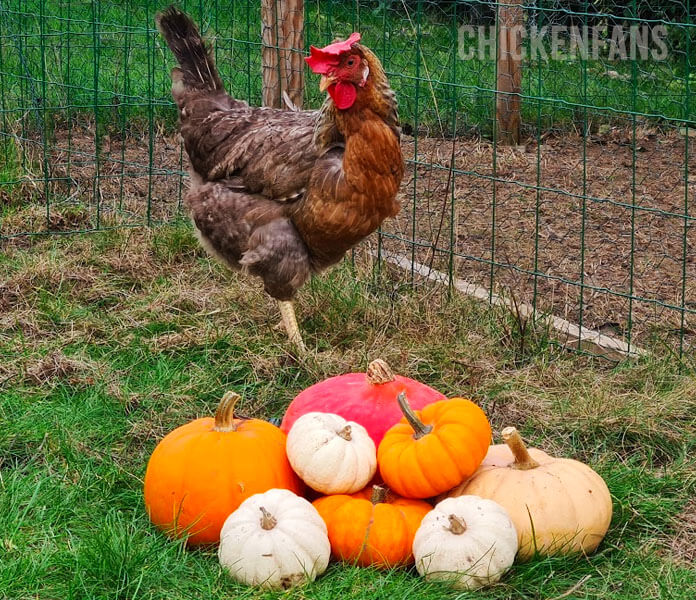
<point>395,473</point>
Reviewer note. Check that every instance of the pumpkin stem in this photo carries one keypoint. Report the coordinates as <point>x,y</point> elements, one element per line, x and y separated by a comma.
<point>457,526</point>
<point>268,521</point>
<point>378,371</point>
<point>345,433</point>
<point>420,429</point>
<point>523,461</point>
<point>379,494</point>
<point>224,415</point>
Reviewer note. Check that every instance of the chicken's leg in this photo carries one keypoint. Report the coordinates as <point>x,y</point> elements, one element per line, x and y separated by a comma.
<point>287,312</point>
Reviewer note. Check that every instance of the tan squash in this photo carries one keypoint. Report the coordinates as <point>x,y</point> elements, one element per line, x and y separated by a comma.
<point>558,505</point>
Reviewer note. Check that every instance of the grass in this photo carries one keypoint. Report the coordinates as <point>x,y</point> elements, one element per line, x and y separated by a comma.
<point>110,340</point>
<point>107,59</point>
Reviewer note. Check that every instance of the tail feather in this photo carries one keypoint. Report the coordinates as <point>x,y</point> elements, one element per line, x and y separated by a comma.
<point>198,70</point>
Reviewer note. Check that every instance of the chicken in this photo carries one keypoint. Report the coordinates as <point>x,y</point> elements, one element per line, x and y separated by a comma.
<point>282,194</point>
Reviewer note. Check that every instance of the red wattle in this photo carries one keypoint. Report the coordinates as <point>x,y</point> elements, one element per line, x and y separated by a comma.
<point>356,398</point>
<point>343,94</point>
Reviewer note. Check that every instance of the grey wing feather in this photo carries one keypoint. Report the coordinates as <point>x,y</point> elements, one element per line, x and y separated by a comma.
<point>270,151</point>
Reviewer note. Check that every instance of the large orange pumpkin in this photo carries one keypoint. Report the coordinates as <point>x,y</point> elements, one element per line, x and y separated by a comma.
<point>202,471</point>
<point>434,449</point>
<point>372,527</point>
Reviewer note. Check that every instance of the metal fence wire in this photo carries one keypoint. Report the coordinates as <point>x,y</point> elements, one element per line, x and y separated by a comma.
<point>587,215</point>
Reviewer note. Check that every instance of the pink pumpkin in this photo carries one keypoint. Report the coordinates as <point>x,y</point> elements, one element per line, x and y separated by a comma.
<point>366,398</point>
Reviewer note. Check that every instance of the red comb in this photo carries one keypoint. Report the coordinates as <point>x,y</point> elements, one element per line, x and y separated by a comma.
<point>320,60</point>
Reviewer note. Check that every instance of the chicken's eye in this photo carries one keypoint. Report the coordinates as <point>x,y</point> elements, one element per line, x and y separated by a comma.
<point>351,62</point>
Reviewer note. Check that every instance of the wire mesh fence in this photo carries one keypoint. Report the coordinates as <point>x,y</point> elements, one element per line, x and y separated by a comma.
<point>588,217</point>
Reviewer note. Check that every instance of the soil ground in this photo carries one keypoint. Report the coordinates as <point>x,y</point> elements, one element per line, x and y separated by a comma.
<point>535,209</point>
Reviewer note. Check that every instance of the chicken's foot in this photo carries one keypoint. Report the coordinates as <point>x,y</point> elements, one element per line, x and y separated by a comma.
<point>287,312</point>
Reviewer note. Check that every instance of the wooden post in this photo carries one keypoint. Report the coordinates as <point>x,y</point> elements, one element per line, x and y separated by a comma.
<point>509,84</point>
<point>282,51</point>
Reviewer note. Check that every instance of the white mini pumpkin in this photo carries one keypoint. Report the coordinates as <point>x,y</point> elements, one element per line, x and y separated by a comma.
<point>275,540</point>
<point>468,542</point>
<point>331,455</point>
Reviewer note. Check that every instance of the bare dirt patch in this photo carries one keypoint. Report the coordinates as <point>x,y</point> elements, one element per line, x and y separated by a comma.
<point>682,544</point>
<point>517,218</point>
<point>514,219</point>
<point>57,365</point>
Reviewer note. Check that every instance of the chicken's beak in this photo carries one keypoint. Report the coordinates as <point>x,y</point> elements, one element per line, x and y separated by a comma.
<point>325,82</point>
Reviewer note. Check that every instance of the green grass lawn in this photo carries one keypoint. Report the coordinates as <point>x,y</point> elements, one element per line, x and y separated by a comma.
<point>107,58</point>
<point>110,340</point>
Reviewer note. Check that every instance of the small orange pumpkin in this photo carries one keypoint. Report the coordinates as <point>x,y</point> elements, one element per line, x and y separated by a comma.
<point>202,471</point>
<point>372,527</point>
<point>434,449</point>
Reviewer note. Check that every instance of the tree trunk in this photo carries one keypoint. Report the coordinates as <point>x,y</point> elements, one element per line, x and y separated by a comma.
<point>283,51</point>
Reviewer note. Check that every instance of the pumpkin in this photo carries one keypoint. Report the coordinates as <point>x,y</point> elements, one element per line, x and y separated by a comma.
<point>372,527</point>
<point>432,450</point>
<point>467,542</point>
<point>366,398</point>
<point>202,471</point>
<point>330,454</point>
<point>275,540</point>
<point>558,505</point>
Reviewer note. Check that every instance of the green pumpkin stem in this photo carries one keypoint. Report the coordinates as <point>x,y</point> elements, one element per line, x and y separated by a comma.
<point>420,429</point>
<point>224,415</point>
<point>378,372</point>
<point>379,494</point>
<point>523,460</point>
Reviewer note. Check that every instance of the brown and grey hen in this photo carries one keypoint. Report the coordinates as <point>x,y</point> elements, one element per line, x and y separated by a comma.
<point>283,194</point>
